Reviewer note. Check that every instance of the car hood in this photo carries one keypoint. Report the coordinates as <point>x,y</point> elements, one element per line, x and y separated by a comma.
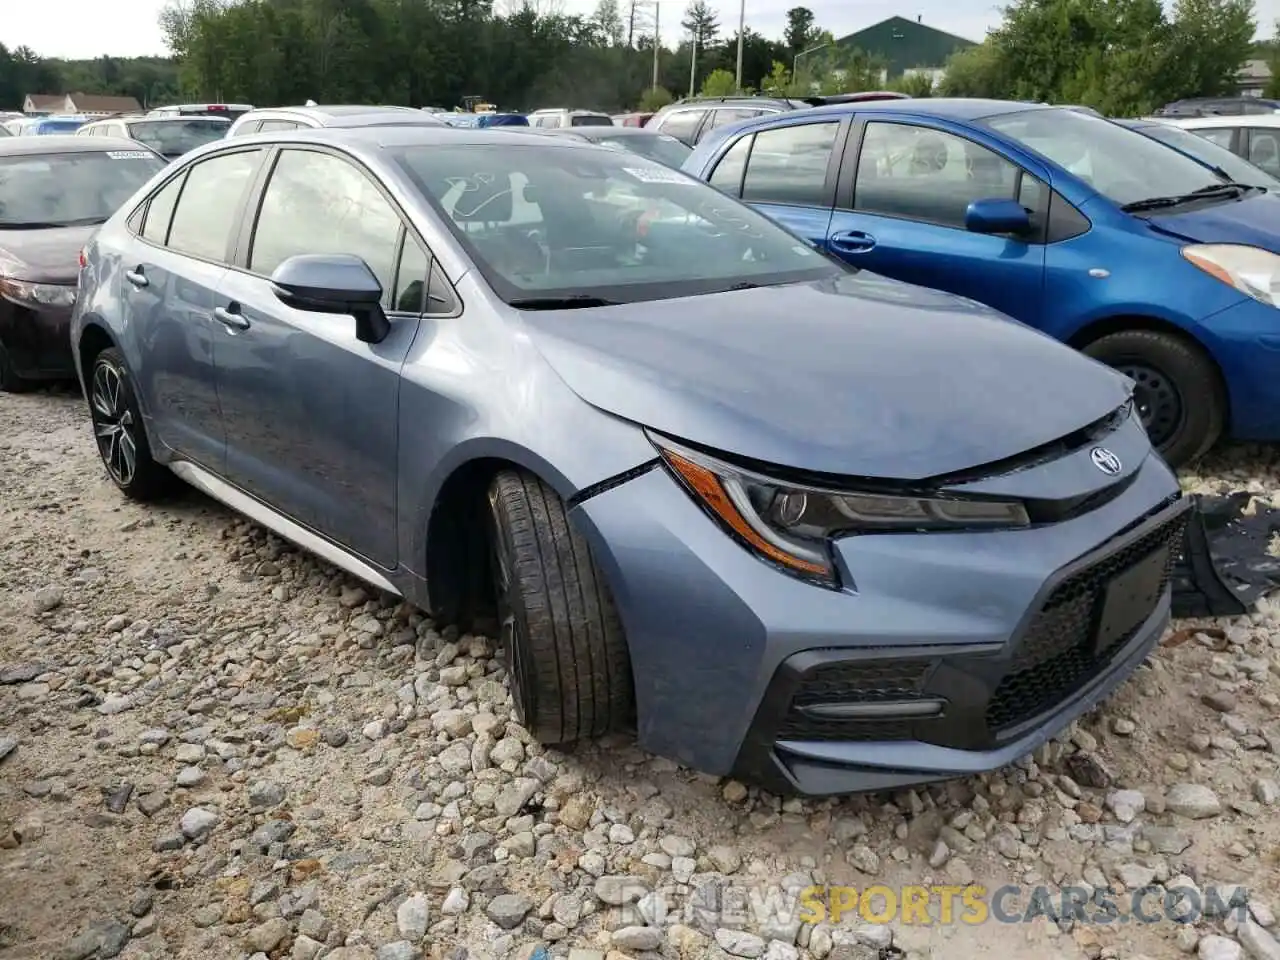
<point>1254,221</point>
<point>858,376</point>
<point>43,256</point>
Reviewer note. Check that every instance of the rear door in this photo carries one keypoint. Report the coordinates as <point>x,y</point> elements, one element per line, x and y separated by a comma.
<point>172,271</point>
<point>904,191</point>
<point>789,172</point>
<point>311,411</point>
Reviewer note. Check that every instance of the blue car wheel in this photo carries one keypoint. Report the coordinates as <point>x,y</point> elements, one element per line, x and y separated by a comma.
<point>1179,395</point>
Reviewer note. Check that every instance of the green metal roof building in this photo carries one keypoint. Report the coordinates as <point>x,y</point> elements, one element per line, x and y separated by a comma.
<point>906,44</point>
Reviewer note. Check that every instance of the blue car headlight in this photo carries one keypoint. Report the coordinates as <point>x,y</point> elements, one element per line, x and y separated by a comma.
<point>1253,271</point>
<point>792,525</point>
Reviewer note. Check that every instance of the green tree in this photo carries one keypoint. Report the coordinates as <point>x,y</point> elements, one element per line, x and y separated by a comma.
<point>913,85</point>
<point>719,83</point>
<point>800,29</point>
<point>654,99</point>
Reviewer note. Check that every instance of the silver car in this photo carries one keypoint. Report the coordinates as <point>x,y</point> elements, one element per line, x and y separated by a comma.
<point>709,484</point>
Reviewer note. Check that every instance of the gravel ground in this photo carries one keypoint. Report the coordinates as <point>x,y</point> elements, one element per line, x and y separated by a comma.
<point>212,745</point>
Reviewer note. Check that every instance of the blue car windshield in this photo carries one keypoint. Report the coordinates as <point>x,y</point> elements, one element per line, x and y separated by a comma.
<point>555,222</point>
<point>1121,164</point>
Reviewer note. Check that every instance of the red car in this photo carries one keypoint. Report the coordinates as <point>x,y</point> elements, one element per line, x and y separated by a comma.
<point>631,119</point>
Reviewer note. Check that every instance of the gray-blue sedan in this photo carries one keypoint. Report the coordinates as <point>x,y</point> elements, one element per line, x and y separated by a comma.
<point>787,520</point>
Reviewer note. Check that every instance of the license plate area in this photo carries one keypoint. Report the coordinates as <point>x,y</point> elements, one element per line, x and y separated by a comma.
<point>1129,599</point>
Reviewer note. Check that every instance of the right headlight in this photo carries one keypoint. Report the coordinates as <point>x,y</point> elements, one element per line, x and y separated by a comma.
<point>1251,270</point>
<point>792,526</point>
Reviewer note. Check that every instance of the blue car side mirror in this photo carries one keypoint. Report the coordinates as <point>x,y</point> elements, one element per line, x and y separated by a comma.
<point>334,283</point>
<point>997,215</point>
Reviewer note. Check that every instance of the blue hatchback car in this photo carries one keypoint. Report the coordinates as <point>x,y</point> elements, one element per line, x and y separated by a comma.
<point>1093,233</point>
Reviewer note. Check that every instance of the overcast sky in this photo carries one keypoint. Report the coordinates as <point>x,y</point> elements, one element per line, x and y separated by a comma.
<point>124,28</point>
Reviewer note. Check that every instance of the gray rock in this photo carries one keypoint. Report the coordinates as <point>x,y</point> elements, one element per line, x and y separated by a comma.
<point>511,800</point>
<point>314,924</point>
<point>455,902</point>
<point>266,793</point>
<point>400,950</point>
<point>738,943</point>
<point>7,746</point>
<point>1126,804</point>
<point>1260,944</point>
<point>269,935</point>
<point>413,917</point>
<point>619,889</point>
<point>197,822</point>
<point>1192,800</point>
<point>1214,947</point>
<point>637,938</point>
<point>46,599</point>
<point>508,910</point>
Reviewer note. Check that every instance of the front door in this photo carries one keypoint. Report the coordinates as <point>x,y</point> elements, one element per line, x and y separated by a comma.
<point>912,186</point>
<point>172,272</point>
<point>310,411</point>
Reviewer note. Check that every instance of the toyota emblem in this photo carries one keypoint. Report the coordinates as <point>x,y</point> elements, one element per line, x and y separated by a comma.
<point>1105,460</point>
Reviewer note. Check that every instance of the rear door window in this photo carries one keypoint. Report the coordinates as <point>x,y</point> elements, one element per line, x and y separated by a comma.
<point>1222,136</point>
<point>789,164</point>
<point>727,175</point>
<point>273,126</point>
<point>209,207</point>
<point>1264,149</point>
<point>682,124</point>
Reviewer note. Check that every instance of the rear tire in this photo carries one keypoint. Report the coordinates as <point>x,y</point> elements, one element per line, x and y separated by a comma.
<point>566,655</point>
<point>118,431</point>
<point>1179,393</point>
<point>10,382</point>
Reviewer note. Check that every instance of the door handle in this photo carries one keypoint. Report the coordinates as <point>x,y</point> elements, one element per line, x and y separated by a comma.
<point>137,277</point>
<point>231,317</point>
<point>851,241</point>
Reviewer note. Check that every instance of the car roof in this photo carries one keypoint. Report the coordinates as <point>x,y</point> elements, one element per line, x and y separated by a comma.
<point>156,118</point>
<point>942,108</point>
<point>410,135</point>
<point>596,133</point>
<point>31,146</point>
<point>1238,120</point>
<point>328,112</point>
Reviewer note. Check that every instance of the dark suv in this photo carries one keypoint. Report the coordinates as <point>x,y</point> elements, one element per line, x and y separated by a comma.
<point>1218,107</point>
<point>692,119</point>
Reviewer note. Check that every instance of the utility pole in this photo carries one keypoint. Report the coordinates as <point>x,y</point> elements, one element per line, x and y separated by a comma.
<point>657,41</point>
<point>631,25</point>
<point>742,26</point>
<point>693,63</point>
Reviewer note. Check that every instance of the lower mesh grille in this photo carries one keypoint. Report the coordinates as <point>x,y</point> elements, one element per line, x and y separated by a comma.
<point>871,681</point>
<point>1057,656</point>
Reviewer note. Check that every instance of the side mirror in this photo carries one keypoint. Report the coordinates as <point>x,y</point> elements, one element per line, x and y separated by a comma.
<point>334,283</point>
<point>997,216</point>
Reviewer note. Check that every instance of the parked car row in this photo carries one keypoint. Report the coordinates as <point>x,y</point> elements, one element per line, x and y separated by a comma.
<point>733,490</point>
<point>726,452</point>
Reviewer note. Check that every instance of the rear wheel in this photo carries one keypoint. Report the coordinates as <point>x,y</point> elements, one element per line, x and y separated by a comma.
<point>564,647</point>
<point>1178,394</point>
<point>117,428</point>
<point>10,382</point>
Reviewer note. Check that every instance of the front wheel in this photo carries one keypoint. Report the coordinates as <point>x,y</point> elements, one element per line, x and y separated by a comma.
<point>1178,394</point>
<point>117,428</point>
<point>565,652</point>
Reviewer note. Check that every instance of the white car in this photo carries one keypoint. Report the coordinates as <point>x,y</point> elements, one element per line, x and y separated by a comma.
<point>1254,136</point>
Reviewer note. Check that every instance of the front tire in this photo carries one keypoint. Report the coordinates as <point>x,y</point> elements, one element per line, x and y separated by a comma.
<point>1179,393</point>
<point>566,655</point>
<point>118,431</point>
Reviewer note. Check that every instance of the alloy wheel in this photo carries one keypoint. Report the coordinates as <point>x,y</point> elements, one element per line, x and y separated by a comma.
<point>113,424</point>
<point>1158,402</point>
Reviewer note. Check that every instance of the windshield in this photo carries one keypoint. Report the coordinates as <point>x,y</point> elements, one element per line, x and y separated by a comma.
<point>66,189</point>
<point>1121,164</point>
<point>175,137</point>
<point>1237,168</point>
<point>590,120</point>
<point>59,126</point>
<point>655,146</point>
<point>551,222</point>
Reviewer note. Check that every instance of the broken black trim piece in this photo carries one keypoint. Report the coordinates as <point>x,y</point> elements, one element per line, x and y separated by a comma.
<point>603,486</point>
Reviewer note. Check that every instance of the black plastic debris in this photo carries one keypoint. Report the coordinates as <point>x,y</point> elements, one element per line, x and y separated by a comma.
<point>1225,566</point>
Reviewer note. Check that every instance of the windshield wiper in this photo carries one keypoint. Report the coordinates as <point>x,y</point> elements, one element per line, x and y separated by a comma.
<point>49,224</point>
<point>1213,191</point>
<point>577,301</point>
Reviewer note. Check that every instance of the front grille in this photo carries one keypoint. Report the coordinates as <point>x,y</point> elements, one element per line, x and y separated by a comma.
<point>854,681</point>
<point>1056,656</point>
